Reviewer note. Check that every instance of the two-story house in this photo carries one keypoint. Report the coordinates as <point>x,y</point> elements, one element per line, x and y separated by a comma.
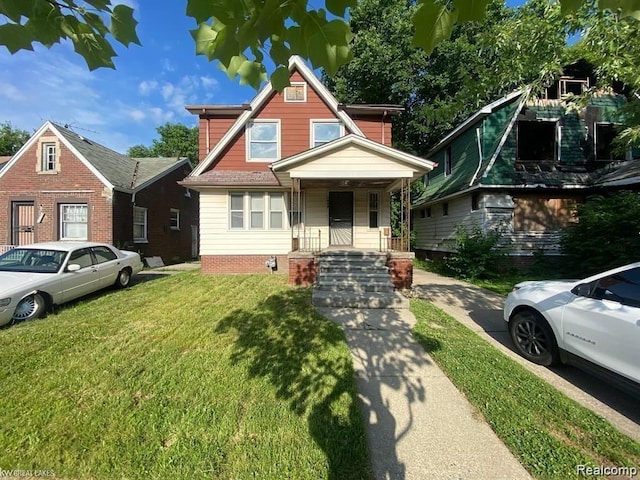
<point>291,174</point>
<point>521,164</point>
<point>63,186</point>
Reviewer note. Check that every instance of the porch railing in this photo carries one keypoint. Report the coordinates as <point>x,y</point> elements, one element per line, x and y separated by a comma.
<point>393,244</point>
<point>307,243</point>
<point>6,248</point>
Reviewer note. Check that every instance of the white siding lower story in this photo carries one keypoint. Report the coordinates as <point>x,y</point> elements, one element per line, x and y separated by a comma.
<point>218,238</point>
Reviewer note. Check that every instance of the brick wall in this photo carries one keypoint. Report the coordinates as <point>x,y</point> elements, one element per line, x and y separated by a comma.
<point>401,269</point>
<point>240,264</point>
<point>73,183</point>
<point>302,270</point>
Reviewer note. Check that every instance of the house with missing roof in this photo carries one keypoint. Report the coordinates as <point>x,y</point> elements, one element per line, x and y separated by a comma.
<point>294,174</point>
<point>521,164</point>
<point>64,186</point>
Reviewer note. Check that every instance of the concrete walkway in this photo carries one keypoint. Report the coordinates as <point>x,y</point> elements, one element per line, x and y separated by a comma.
<point>481,311</point>
<point>419,425</point>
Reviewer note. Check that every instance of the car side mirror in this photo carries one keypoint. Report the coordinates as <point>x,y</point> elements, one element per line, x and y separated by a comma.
<point>73,267</point>
<point>582,290</point>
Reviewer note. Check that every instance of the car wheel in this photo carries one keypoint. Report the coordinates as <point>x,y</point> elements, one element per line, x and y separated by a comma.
<point>29,307</point>
<point>124,278</point>
<point>533,338</point>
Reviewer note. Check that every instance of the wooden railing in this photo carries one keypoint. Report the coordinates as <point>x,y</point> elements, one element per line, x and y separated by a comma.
<point>393,244</point>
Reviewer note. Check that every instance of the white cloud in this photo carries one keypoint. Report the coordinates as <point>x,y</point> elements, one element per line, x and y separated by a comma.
<point>147,86</point>
<point>209,82</point>
<point>137,115</point>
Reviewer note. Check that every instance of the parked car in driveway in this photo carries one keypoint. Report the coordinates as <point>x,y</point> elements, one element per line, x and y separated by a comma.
<point>593,323</point>
<point>35,277</point>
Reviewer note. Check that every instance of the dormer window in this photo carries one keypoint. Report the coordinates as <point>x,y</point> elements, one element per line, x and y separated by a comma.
<point>296,92</point>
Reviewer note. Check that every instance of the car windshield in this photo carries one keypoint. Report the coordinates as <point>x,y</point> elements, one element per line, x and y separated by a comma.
<point>32,260</point>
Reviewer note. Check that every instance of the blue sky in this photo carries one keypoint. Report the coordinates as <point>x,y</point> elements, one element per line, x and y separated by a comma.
<point>119,108</point>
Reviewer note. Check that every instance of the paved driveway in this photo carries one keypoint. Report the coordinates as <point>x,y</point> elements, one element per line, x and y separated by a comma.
<point>481,311</point>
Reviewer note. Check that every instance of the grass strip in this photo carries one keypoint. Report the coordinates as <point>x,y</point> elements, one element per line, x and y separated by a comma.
<point>549,433</point>
<point>188,376</point>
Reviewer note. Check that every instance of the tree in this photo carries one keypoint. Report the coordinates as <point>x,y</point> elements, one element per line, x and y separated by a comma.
<point>11,139</point>
<point>606,235</point>
<point>176,140</point>
<point>241,34</point>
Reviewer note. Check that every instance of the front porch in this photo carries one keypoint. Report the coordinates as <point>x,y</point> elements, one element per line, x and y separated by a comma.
<point>304,266</point>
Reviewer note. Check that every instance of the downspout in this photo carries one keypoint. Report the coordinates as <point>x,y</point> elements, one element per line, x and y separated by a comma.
<point>480,157</point>
<point>384,114</point>
<point>208,136</point>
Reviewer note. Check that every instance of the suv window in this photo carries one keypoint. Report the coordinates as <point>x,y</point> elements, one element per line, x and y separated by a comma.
<point>622,287</point>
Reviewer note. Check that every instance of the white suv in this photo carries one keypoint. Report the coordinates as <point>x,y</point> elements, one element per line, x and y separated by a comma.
<point>592,323</point>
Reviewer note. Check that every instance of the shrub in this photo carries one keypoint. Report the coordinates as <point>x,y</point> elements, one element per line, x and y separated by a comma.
<point>606,235</point>
<point>479,254</point>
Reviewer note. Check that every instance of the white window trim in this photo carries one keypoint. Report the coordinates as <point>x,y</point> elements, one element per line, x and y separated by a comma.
<point>62,222</point>
<point>266,212</point>
<point>244,210</point>
<point>315,121</point>
<point>283,211</point>
<point>177,212</point>
<point>146,226</point>
<point>296,84</point>
<point>247,135</point>
<point>448,161</point>
<point>42,142</point>
<point>250,196</point>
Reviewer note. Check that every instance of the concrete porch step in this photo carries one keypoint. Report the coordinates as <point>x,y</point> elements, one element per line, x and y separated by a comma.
<point>345,267</point>
<point>353,262</point>
<point>356,275</point>
<point>322,298</point>
<point>340,286</point>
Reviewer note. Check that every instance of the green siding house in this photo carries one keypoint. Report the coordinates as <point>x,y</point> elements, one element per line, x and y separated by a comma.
<point>522,163</point>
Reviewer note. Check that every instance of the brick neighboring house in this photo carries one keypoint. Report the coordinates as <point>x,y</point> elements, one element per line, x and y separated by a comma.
<point>523,163</point>
<point>64,186</point>
<point>292,174</point>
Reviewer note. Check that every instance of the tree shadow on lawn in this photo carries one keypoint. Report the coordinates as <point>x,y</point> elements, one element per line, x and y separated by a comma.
<point>285,341</point>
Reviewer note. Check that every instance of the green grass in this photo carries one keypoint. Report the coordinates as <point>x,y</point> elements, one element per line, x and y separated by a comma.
<point>548,432</point>
<point>189,376</point>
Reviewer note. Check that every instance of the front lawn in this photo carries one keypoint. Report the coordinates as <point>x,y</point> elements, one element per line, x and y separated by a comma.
<point>550,434</point>
<point>189,376</point>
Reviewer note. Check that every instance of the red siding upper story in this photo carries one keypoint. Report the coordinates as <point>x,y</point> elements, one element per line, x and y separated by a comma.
<point>295,129</point>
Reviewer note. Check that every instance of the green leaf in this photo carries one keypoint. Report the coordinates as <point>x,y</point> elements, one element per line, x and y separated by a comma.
<point>200,10</point>
<point>626,8</point>
<point>433,24</point>
<point>227,11</point>
<point>123,25</point>
<point>270,20</point>
<point>101,5</point>
<point>570,6</point>
<point>338,7</point>
<point>94,48</point>
<point>16,37</point>
<point>95,22</point>
<point>294,36</point>
<point>327,42</point>
<point>279,52</point>
<point>234,65</point>
<point>14,10</point>
<point>252,73</point>
<point>204,36</point>
<point>471,10</point>
<point>280,78</point>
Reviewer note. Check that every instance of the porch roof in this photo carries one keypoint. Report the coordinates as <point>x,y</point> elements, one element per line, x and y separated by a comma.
<point>351,157</point>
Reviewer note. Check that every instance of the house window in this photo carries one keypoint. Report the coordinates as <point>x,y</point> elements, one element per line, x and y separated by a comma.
<point>605,134</point>
<point>537,141</point>
<point>475,201</point>
<point>296,209</point>
<point>276,209</point>
<point>447,161</point>
<point>426,179</point>
<point>373,210</point>
<point>428,212</point>
<point>48,157</point>
<point>324,132</point>
<point>423,213</point>
<point>257,210</point>
<point>174,219</point>
<point>445,209</point>
<point>74,221</point>
<point>139,224</point>
<point>296,92</point>
<point>263,141</point>
<point>236,210</point>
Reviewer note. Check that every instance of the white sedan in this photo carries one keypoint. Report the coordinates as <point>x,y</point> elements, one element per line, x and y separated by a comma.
<point>35,277</point>
<point>592,323</point>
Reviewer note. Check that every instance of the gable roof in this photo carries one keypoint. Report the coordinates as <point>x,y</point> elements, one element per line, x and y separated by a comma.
<point>114,170</point>
<point>295,63</point>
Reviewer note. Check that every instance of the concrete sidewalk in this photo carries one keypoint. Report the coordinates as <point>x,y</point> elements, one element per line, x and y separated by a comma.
<point>419,425</point>
<point>481,311</point>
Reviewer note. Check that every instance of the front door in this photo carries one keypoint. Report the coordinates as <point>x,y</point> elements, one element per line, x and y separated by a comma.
<point>23,223</point>
<point>341,218</point>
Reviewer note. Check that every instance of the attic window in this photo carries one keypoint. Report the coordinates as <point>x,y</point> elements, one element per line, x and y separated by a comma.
<point>296,92</point>
<point>605,134</point>
<point>48,156</point>
<point>537,141</point>
<point>566,86</point>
